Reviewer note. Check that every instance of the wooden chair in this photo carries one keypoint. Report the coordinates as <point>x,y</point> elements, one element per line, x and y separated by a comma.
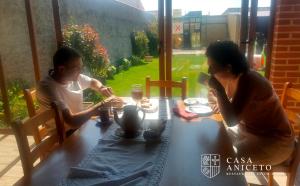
<point>40,150</point>
<point>167,84</point>
<point>291,94</point>
<point>290,166</point>
<point>31,100</point>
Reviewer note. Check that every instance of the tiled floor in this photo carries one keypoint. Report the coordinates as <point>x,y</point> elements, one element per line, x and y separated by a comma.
<point>11,169</point>
<point>10,164</point>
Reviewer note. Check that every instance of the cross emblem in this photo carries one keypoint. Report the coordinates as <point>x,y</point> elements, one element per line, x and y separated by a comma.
<point>215,160</point>
<point>177,28</point>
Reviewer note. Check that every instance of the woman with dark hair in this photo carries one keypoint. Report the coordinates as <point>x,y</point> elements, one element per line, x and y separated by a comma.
<point>250,107</point>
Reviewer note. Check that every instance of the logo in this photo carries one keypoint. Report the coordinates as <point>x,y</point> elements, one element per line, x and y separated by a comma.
<point>210,165</point>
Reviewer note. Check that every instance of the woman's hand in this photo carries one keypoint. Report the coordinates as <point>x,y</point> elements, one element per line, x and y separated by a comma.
<point>215,108</point>
<point>111,101</point>
<point>215,85</point>
<point>212,101</point>
<point>106,91</point>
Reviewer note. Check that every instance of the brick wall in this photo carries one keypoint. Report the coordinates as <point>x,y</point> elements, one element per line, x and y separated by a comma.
<point>286,46</point>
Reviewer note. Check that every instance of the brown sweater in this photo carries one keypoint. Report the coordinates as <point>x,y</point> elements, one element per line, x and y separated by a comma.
<point>258,107</point>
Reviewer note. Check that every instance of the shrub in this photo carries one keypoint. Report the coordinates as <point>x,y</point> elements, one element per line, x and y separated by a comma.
<point>139,42</point>
<point>135,60</point>
<point>120,68</point>
<point>123,64</point>
<point>126,64</point>
<point>152,34</point>
<point>111,71</point>
<point>17,104</point>
<point>91,96</point>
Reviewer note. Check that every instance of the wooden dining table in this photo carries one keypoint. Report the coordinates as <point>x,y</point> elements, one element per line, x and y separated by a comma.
<point>188,141</point>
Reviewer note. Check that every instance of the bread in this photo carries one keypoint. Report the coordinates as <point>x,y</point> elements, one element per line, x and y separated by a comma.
<point>145,100</point>
<point>113,101</point>
<point>146,105</point>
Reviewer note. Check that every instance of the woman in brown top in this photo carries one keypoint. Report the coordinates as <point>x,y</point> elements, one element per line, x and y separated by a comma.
<point>250,107</point>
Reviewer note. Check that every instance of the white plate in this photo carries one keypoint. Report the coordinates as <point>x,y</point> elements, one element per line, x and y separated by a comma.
<point>191,101</point>
<point>196,101</point>
<point>199,109</point>
<point>203,101</point>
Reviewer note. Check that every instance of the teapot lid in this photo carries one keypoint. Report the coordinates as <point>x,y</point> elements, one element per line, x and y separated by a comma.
<point>130,107</point>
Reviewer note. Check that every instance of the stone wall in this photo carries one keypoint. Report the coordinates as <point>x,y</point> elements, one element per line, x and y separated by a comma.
<point>14,40</point>
<point>113,20</point>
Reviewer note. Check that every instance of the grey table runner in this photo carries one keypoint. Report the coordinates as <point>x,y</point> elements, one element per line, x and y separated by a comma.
<point>118,161</point>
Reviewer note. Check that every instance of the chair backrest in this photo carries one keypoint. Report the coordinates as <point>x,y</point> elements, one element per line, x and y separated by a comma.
<point>291,94</point>
<point>30,126</point>
<point>30,98</point>
<point>167,84</point>
<point>59,122</point>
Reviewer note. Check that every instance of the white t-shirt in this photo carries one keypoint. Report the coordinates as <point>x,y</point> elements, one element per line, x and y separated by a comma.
<point>68,95</point>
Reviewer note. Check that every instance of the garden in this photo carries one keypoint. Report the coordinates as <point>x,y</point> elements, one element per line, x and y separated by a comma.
<point>184,65</point>
<point>120,74</point>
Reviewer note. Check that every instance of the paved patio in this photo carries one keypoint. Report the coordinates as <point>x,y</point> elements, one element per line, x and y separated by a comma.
<point>10,164</point>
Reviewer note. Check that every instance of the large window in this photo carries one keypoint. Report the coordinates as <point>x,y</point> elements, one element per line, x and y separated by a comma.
<point>203,25</point>
<point>204,22</point>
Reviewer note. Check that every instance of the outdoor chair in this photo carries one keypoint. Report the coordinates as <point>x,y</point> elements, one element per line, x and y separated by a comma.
<point>290,166</point>
<point>31,101</point>
<point>291,94</point>
<point>167,84</point>
<point>28,126</point>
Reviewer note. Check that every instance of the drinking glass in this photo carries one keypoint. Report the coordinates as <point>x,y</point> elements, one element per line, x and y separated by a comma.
<point>137,93</point>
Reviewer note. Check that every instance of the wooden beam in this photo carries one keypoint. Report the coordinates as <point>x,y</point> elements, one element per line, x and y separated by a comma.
<point>244,25</point>
<point>32,36</point>
<point>269,46</point>
<point>252,32</point>
<point>161,32</point>
<point>57,23</point>
<point>5,100</point>
<point>169,45</point>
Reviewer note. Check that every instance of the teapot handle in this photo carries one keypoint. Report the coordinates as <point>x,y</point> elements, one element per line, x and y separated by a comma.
<point>144,114</point>
<point>116,117</point>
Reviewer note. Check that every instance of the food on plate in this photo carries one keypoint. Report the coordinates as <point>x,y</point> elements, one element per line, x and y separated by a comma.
<point>145,100</point>
<point>146,105</point>
<point>113,101</point>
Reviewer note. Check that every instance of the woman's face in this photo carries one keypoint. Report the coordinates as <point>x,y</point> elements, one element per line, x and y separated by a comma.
<point>218,71</point>
<point>72,70</point>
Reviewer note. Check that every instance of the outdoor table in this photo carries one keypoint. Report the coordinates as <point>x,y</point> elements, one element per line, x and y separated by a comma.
<point>188,141</point>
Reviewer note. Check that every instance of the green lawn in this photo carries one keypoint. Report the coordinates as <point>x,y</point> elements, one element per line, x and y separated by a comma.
<point>183,65</point>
